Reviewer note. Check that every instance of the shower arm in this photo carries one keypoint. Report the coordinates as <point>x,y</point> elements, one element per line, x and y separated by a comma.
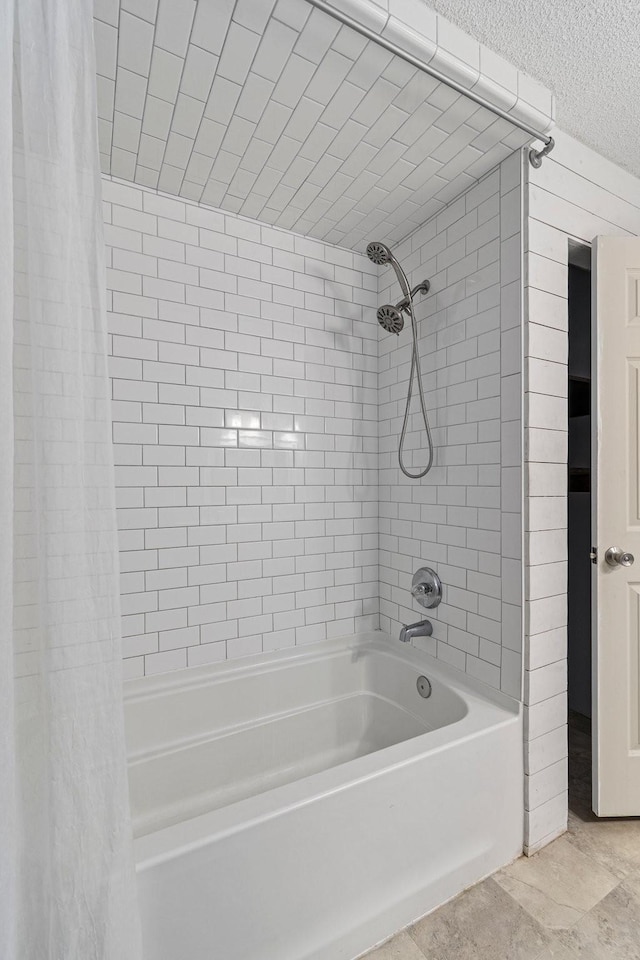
<point>405,303</point>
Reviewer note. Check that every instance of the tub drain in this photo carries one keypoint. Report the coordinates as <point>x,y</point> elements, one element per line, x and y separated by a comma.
<point>424,687</point>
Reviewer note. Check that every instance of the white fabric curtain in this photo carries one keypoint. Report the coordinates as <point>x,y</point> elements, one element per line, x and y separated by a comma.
<point>67,885</point>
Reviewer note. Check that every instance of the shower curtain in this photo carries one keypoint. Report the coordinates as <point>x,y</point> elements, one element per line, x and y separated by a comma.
<point>67,885</point>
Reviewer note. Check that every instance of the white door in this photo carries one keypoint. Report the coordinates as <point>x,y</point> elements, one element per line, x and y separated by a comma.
<point>616,506</point>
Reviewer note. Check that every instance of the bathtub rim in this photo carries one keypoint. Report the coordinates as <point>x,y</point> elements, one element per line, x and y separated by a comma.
<point>140,688</point>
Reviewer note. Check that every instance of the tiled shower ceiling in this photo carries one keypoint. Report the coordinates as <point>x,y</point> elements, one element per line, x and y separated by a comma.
<point>274,110</point>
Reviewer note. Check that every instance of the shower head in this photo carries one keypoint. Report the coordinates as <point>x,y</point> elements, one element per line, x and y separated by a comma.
<point>390,318</point>
<point>379,253</point>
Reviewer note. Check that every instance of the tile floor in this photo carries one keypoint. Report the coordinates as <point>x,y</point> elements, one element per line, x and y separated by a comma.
<point>578,899</point>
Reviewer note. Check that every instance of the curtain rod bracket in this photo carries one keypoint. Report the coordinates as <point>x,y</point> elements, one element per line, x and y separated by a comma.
<point>537,156</point>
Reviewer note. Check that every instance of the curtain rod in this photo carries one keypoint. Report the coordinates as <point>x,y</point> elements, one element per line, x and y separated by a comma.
<point>535,156</point>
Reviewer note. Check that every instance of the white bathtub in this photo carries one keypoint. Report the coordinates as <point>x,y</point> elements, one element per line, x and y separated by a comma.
<point>306,804</point>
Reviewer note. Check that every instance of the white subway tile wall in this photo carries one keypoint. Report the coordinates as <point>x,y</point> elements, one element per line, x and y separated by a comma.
<point>244,374</point>
<point>562,204</point>
<point>464,517</point>
<point>247,391</point>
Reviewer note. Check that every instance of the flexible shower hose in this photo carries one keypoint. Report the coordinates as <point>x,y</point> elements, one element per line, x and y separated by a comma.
<point>415,368</point>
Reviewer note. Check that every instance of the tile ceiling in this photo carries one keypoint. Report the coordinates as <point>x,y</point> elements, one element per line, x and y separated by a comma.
<point>274,110</point>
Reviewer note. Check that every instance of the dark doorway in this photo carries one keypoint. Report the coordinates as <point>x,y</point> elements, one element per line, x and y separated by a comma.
<point>579,527</point>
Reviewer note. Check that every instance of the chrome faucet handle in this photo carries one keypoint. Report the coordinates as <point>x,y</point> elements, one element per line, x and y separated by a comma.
<point>426,587</point>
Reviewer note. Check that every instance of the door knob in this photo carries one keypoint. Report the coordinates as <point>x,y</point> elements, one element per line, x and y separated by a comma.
<point>615,556</point>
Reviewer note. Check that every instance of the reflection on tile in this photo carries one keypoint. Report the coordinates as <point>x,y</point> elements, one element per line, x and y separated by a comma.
<point>484,922</point>
<point>400,947</point>
<point>242,419</point>
<point>558,885</point>
<point>611,930</point>
<point>217,437</point>
<point>255,438</point>
<point>288,441</point>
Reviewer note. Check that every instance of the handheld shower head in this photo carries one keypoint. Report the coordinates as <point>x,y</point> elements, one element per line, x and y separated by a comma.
<point>379,253</point>
<point>390,318</point>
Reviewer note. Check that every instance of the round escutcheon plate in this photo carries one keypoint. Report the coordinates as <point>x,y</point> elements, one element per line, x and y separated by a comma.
<point>426,587</point>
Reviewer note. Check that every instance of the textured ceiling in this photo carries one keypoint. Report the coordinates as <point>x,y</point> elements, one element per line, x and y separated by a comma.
<point>586,51</point>
<point>274,110</point>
